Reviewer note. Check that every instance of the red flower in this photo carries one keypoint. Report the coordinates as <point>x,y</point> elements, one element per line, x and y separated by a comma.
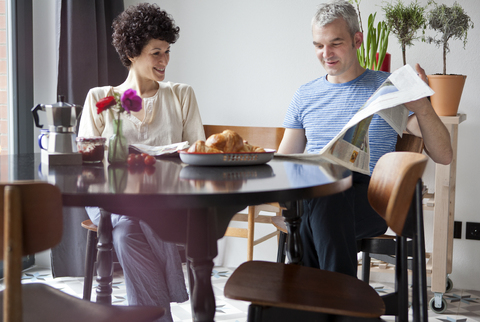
<point>105,103</point>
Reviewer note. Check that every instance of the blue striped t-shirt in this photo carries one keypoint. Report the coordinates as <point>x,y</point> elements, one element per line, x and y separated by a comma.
<point>323,108</point>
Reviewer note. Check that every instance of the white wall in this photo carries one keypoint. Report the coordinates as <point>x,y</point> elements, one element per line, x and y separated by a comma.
<point>245,59</point>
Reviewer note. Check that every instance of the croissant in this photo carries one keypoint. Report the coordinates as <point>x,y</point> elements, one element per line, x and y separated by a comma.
<point>250,148</point>
<point>200,146</point>
<point>227,141</point>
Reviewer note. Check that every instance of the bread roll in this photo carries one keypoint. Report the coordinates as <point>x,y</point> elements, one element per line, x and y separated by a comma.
<point>251,148</point>
<point>227,141</point>
<point>201,147</point>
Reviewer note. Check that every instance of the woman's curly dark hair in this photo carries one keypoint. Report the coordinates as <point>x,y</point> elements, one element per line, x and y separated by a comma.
<point>137,25</point>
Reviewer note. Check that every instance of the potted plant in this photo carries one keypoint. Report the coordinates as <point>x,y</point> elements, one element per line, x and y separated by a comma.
<point>404,22</point>
<point>450,23</point>
<point>373,52</point>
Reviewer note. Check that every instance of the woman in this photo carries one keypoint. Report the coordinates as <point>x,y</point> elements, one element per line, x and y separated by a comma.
<point>142,37</point>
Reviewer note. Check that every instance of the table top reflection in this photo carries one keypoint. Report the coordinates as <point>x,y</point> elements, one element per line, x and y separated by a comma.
<point>173,184</point>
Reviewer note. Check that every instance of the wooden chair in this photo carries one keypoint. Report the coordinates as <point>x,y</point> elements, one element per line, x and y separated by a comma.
<point>409,143</point>
<point>265,137</point>
<point>32,222</point>
<point>381,247</point>
<point>90,257</point>
<point>287,292</point>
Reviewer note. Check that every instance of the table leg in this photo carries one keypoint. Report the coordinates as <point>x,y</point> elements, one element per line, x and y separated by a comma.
<point>105,258</point>
<point>191,279</point>
<point>293,218</point>
<point>201,250</point>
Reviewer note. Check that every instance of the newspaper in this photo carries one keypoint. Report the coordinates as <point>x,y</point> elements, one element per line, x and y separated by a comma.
<point>350,146</point>
<point>158,150</point>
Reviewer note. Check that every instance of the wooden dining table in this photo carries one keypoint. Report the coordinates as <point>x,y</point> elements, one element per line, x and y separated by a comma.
<point>184,204</point>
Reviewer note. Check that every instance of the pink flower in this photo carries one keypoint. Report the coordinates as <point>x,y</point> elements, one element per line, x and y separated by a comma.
<point>131,101</point>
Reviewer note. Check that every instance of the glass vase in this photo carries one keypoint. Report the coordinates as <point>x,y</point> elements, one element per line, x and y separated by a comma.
<point>117,178</point>
<point>118,146</point>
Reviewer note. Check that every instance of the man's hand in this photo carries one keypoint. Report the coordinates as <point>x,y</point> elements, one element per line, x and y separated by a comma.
<point>425,123</point>
<point>421,73</point>
<point>422,105</point>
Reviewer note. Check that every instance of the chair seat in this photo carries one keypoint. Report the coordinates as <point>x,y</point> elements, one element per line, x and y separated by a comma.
<point>45,303</point>
<point>383,237</point>
<point>88,224</point>
<point>303,288</point>
<point>384,246</point>
<point>279,223</point>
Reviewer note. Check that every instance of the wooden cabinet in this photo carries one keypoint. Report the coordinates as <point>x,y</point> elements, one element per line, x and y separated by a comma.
<point>442,202</point>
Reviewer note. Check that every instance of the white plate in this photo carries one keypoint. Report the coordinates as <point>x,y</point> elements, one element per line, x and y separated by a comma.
<point>226,173</point>
<point>226,159</point>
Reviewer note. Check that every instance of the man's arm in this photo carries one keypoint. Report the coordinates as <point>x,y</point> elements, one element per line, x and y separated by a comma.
<point>425,123</point>
<point>294,141</point>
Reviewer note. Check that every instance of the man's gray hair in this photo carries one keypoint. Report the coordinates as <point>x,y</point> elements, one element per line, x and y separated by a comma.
<point>329,11</point>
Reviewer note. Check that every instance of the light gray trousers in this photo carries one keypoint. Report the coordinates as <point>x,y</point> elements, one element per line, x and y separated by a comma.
<point>152,268</point>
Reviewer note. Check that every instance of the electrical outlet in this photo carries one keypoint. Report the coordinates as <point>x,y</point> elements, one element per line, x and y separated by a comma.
<point>457,229</point>
<point>472,230</point>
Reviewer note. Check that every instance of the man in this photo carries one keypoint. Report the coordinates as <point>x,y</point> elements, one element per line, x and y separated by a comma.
<point>318,111</point>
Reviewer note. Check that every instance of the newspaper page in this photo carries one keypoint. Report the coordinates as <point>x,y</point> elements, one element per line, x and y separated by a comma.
<point>158,150</point>
<point>350,146</point>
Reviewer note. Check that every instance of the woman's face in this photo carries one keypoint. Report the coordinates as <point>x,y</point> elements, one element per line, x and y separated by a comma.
<point>153,60</point>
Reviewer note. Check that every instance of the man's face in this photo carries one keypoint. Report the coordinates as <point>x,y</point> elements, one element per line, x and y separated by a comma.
<point>337,51</point>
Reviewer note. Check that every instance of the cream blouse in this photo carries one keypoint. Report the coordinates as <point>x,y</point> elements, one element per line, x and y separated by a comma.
<point>171,116</point>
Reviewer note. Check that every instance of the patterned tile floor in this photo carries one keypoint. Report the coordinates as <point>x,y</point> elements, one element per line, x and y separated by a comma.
<point>462,305</point>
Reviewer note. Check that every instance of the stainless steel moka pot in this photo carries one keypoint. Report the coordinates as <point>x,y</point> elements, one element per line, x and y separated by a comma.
<point>62,121</point>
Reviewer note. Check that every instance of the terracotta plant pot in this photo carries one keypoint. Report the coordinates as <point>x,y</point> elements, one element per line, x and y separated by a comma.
<point>448,91</point>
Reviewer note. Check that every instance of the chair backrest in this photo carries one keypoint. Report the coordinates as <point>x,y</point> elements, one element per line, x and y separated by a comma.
<point>37,208</point>
<point>265,137</point>
<point>31,221</point>
<point>392,186</point>
<point>409,143</point>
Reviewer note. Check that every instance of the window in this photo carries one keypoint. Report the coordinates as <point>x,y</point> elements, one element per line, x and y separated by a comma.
<point>3,78</point>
